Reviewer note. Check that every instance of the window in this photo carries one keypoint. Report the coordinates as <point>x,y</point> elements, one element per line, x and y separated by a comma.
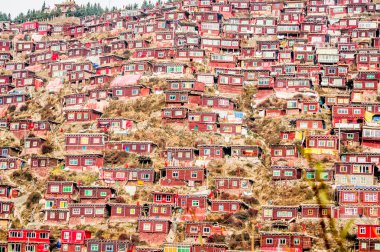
<point>31,235</point>
<point>276,173</point>
<point>362,230</point>
<point>288,173</point>
<point>310,175</point>
<point>370,197</point>
<point>44,235</point>
<point>281,214</point>
<point>349,197</point>
<point>269,241</point>
<point>76,211</point>
<point>88,211</point>
<point>109,248</point>
<point>350,135</point>
<point>282,241</point>
<point>278,152</point>
<point>289,152</point>
<point>296,241</point>
<point>28,248</point>
<point>159,227</point>
<point>54,189</point>
<point>88,162</point>
<point>88,192</point>
<point>195,203</point>
<point>146,226</point>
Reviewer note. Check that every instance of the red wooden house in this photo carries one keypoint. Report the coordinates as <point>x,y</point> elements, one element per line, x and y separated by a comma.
<point>39,128</point>
<point>368,237</point>
<point>283,151</point>
<point>8,191</point>
<point>33,145</point>
<point>96,194</point>
<point>40,162</point>
<point>217,247</point>
<point>115,124</point>
<point>310,124</point>
<point>322,142</point>
<point>366,81</point>
<point>61,189</point>
<point>325,175</point>
<point>359,174</point>
<point>179,153</point>
<point>192,202</point>
<point>285,173</point>
<point>98,94</point>
<point>284,213</point>
<point>5,45</point>
<point>7,163</point>
<point>285,241</point>
<point>122,211</point>
<point>202,121</point>
<point>24,46</point>
<point>174,114</point>
<point>362,157</point>
<point>128,175</point>
<point>139,147</point>
<point>177,176</point>
<point>355,195</point>
<point>82,162</point>
<point>227,206</point>
<point>202,228</point>
<point>342,115</point>
<point>29,240</point>
<point>87,213</point>
<point>74,240</point>
<point>317,211</point>
<point>81,115</point>
<point>85,141</point>
<point>7,209</point>
<point>107,245</point>
<point>156,226</point>
<point>371,136</point>
<point>156,210</point>
<point>214,102</point>
<point>230,83</point>
<point>100,80</point>
<point>246,151</point>
<point>74,99</point>
<point>209,151</point>
<point>13,99</point>
<point>223,60</point>
<point>129,91</point>
<point>165,197</point>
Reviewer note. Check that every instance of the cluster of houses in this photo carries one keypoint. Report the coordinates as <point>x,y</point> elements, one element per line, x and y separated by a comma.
<point>314,67</point>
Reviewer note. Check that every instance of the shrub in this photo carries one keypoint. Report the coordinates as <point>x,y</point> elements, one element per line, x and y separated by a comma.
<point>242,216</point>
<point>24,108</point>
<point>46,149</point>
<point>123,237</point>
<point>216,238</point>
<point>120,199</point>
<point>33,199</point>
<point>12,108</point>
<point>99,234</point>
<point>23,175</point>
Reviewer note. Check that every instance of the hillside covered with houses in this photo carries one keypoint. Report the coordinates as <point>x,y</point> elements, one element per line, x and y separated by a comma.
<point>191,126</point>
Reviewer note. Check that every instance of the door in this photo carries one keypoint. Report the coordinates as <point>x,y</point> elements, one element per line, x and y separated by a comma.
<point>133,176</point>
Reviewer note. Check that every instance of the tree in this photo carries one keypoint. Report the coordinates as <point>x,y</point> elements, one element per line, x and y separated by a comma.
<point>43,7</point>
<point>144,5</point>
